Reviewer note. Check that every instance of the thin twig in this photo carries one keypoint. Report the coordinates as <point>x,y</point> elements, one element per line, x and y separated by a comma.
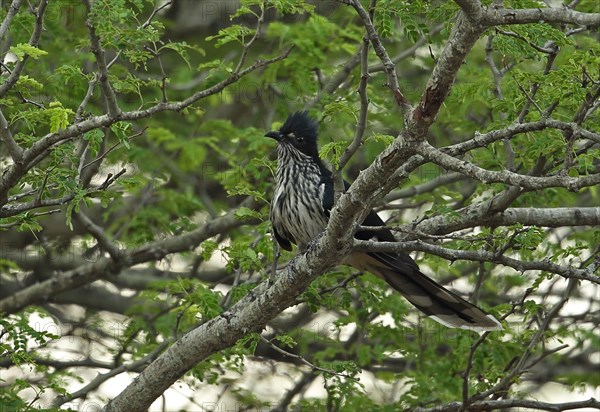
<point>107,90</point>
<point>381,52</point>
<point>568,272</point>
<point>38,198</point>
<point>246,47</point>
<point>533,89</point>
<point>546,50</point>
<point>88,95</point>
<point>467,371</point>
<point>81,161</point>
<point>496,74</point>
<point>29,101</point>
<point>155,12</point>
<point>110,179</point>
<point>103,377</point>
<point>37,214</point>
<point>336,80</point>
<point>520,366</point>
<point>110,149</point>
<point>98,233</point>
<point>529,98</point>
<point>304,361</point>
<point>364,108</point>
<point>408,52</point>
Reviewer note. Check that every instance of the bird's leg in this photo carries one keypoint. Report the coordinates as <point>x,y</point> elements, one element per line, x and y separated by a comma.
<point>275,260</point>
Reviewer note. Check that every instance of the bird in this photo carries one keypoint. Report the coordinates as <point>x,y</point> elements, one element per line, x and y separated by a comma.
<point>299,211</point>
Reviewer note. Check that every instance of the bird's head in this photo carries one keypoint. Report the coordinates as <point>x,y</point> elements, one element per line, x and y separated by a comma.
<point>299,131</point>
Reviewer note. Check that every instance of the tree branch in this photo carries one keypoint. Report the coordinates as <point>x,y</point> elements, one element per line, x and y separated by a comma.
<point>98,233</point>
<point>550,217</point>
<point>33,41</point>
<point>462,38</point>
<point>381,52</point>
<point>481,140</point>
<point>103,377</point>
<point>364,109</point>
<point>407,52</point>
<point>505,176</point>
<point>38,202</point>
<point>472,9</point>
<point>499,404</point>
<point>567,272</point>
<point>493,16</point>
<point>107,90</point>
<point>303,360</point>
<point>13,9</point>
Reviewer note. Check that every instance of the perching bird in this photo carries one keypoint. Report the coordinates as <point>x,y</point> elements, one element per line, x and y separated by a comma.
<point>300,210</point>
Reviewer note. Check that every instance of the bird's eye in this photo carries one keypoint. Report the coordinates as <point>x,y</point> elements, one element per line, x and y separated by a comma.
<point>300,139</point>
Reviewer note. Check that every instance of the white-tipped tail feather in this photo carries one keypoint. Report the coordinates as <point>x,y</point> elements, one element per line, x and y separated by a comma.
<point>425,294</point>
<point>494,324</point>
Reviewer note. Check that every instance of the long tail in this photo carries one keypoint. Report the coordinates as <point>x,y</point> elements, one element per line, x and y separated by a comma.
<point>431,298</point>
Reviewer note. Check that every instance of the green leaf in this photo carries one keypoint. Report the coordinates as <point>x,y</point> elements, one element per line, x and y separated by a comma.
<point>233,33</point>
<point>59,116</point>
<point>22,49</point>
<point>25,82</point>
<point>94,139</point>
<point>333,151</point>
<point>383,138</point>
<point>182,49</point>
<point>286,340</point>
<point>244,213</point>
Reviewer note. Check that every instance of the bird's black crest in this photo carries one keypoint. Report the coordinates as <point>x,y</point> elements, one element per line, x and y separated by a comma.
<point>301,124</point>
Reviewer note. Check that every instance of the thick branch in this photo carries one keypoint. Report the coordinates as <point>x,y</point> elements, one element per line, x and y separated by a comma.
<point>472,9</point>
<point>463,37</point>
<point>493,16</point>
<point>505,176</point>
<point>250,314</point>
<point>555,217</point>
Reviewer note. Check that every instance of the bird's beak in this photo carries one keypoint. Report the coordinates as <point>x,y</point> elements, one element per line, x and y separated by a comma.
<point>274,135</point>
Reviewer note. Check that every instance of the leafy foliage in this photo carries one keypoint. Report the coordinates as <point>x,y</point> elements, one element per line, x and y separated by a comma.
<point>151,184</point>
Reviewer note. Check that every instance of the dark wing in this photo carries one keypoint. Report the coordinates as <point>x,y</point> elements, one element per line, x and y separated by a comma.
<point>381,233</point>
<point>283,242</point>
